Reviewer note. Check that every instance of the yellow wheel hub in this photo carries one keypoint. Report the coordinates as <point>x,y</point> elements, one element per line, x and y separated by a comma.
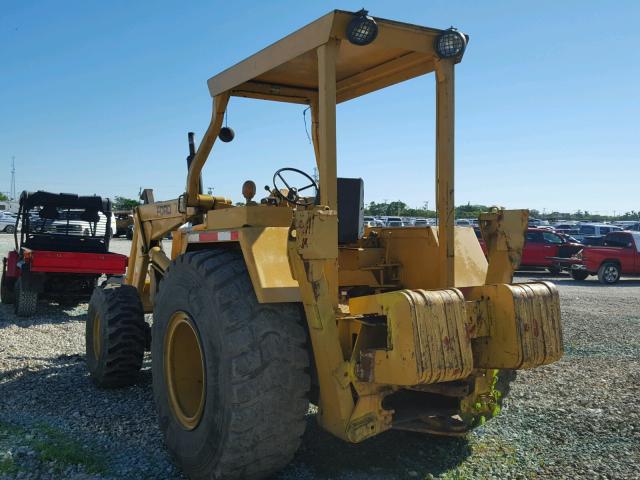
<point>97,337</point>
<point>184,370</point>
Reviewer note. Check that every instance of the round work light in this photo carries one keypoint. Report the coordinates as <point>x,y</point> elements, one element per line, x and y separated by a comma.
<point>362,29</point>
<point>450,43</point>
<point>226,134</point>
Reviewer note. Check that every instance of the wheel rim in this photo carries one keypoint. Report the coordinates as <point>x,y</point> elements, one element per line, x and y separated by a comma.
<point>184,371</point>
<point>611,274</point>
<point>97,337</point>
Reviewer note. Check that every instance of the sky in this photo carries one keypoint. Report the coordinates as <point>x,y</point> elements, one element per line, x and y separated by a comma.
<point>98,97</point>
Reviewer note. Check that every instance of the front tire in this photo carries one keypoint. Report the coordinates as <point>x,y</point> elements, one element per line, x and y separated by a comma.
<point>26,300</point>
<point>554,270</point>
<point>115,336</point>
<point>230,377</point>
<point>609,273</point>
<point>9,229</point>
<point>579,275</point>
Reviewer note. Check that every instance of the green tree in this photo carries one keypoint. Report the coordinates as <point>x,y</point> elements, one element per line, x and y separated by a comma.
<point>3,197</point>
<point>396,208</point>
<point>123,203</point>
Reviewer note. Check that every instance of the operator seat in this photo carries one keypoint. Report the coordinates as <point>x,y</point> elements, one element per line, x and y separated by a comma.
<point>350,210</point>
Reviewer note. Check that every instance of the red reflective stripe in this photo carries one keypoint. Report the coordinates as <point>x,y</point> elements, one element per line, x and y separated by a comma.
<point>224,236</point>
<point>208,237</point>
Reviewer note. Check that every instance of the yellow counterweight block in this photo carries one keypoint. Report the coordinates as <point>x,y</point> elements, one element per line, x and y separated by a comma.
<point>519,325</point>
<point>426,337</point>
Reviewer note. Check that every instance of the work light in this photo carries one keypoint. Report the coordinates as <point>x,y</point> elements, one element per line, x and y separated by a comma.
<point>362,29</point>
<point>226,134</point>
<point>450,43</point>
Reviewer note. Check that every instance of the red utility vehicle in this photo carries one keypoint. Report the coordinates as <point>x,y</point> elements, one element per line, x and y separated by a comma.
<point>61,250</point>
<point>619,255</point>
<point>543,248</point>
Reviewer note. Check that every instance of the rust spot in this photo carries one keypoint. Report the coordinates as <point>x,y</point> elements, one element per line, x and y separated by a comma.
<point>470,330</point>
<point>364,370</point>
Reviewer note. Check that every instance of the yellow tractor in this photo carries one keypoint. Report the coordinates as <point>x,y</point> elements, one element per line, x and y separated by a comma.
<point>261,308</point>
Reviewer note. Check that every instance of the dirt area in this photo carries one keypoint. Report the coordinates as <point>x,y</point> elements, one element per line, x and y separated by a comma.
<point>577,418</point>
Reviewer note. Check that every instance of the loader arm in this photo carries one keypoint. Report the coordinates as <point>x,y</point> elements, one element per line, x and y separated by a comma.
<point>152,222</point>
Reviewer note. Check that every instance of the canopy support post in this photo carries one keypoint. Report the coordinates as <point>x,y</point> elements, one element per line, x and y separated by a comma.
<point>445,170</point>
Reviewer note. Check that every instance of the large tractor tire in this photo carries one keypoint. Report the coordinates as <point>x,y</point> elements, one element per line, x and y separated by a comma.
<point>26,299</point>
<point>115,336</point>
<point>7,290</point>
<point>230,375</point>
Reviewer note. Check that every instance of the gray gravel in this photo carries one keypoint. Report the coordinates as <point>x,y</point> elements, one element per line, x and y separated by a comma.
<point>578,418</point>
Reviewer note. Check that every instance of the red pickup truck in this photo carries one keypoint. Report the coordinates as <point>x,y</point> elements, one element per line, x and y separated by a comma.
<point>542,248</point>
<point>619,255</point>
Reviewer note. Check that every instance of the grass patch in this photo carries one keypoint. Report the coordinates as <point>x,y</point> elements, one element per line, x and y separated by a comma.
<point>8,466</point>
<point>50,445</point>
<point>55,446</point>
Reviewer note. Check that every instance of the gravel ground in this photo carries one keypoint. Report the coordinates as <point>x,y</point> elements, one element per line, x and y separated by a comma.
<point>577,418</point>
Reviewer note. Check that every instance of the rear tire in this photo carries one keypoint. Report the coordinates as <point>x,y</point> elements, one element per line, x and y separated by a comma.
<point>243,411</point>
<point>9,229</point>
<point>579,275</point>
<point>609,273</point>
<point>26,300</point>
<point>7,292</point>
<point>115,336</point>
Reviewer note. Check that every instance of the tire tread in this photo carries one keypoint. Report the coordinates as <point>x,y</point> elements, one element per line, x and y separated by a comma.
<point>123,347</point>
<point>266,346</point>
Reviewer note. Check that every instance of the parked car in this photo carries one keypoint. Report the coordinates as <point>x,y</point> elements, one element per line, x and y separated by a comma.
<point>463,222</point>
<point>541,244</point>
<point>123,219</point>
<point>7,222</point>
<point>536,222</point>
<point>421,222</point>
<point>542,248</point>
<point>594,230</point>
<point>568,228</point>
<point>619,255</point>
<point>394,222</point>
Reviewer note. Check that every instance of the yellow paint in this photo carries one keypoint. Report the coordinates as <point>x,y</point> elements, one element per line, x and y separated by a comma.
<point>265,253</point>
<point>524,329</point>
<point>184,371</point>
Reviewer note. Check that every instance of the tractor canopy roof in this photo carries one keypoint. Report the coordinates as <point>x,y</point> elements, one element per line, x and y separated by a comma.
<point>29,200</point>
<point>287,70</point>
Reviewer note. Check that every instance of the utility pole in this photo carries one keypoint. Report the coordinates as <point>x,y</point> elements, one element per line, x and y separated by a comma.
<point>13,178</point>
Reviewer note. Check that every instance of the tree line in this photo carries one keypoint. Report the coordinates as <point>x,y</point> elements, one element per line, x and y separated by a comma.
<point>401,209</point>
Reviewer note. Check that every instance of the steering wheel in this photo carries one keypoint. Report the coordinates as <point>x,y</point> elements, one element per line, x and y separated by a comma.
<point>293,196</point>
